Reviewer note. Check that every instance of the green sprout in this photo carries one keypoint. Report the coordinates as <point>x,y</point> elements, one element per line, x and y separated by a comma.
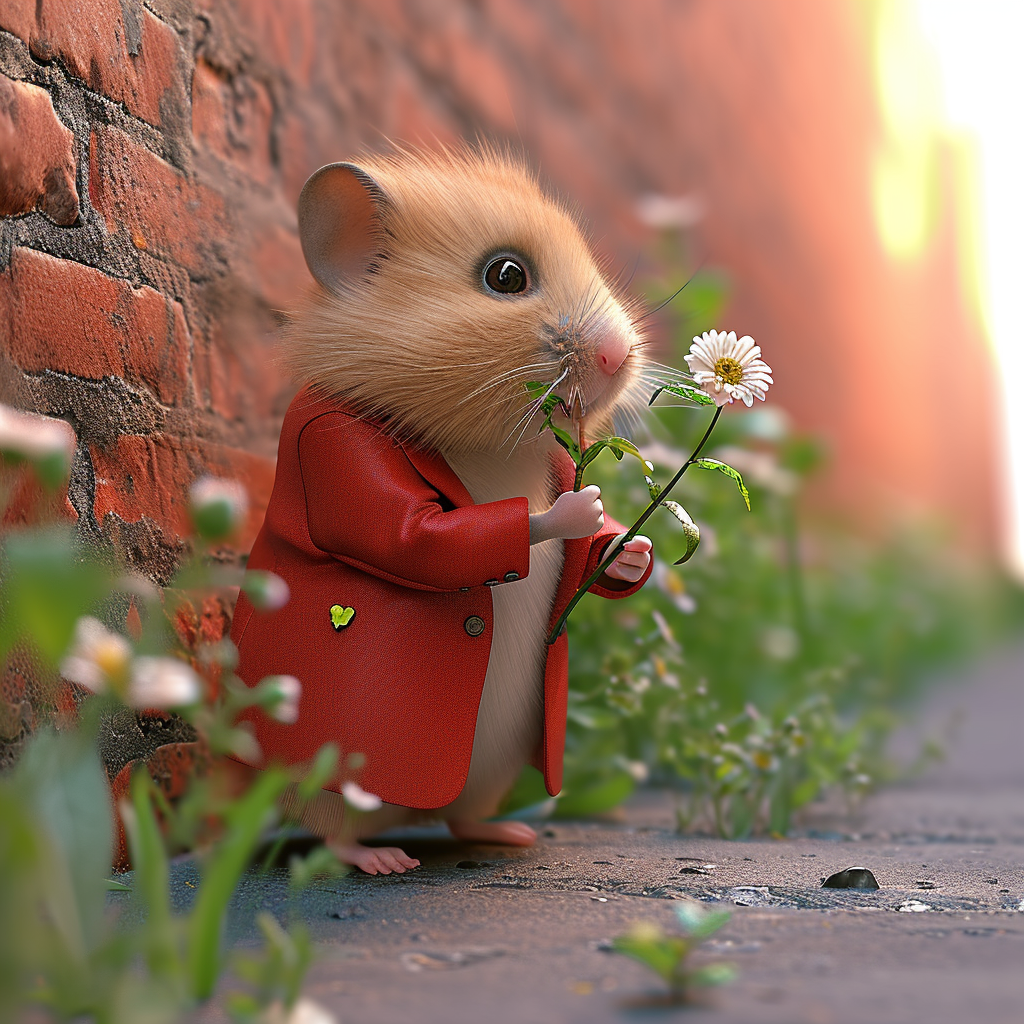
<point>668,955</point>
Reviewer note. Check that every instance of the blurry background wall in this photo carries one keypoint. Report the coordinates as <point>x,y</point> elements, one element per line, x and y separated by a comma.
<point>151,156</point>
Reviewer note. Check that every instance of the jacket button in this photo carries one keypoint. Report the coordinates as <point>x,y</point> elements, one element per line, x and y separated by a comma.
<point>511,577</point>
<point>474,625</point>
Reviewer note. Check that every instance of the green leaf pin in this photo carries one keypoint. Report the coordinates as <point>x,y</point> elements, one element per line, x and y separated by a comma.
<point>341,616</point>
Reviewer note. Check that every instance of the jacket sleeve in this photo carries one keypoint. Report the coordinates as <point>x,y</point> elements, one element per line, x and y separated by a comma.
<point>607,586</point>
<point>366,505</point>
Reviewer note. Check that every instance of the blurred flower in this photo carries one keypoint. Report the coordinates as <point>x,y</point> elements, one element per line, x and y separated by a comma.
<point>47,443</point>
<point>359,798</point>
<point>664,629</point>
<point>282,697</point>
<point>98,658</point>
<point>266,591</point>
<point>162,683</point>
<point>243,744</point>
<point>657,211</point>
<point>306,1011</point>
<point>217,506</point>
<point>670,583</point>
<point>780,642</point>
<point>727,368</point>
<point>759,467</point>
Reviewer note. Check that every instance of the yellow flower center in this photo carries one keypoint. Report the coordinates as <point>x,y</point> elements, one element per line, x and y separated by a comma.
<point>729,370</point>
<point>112,659</point>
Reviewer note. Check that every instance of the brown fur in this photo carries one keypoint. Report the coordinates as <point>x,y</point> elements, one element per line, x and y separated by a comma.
<point>418,341</point>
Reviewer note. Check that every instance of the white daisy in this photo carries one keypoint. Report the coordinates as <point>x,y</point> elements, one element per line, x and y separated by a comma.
<point>97,658</point>
<point>162,683</point>
<point>727,368</point>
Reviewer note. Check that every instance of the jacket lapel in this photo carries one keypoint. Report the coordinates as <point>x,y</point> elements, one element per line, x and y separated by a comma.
<point>433,468</point>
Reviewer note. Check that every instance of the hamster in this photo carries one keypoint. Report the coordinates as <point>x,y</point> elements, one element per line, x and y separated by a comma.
<point>416,499</point>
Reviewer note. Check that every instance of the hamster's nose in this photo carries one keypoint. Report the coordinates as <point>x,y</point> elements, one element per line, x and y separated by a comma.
<point>612,351</point>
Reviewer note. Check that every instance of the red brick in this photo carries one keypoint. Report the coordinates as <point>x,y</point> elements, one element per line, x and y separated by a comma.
<point>276,263</point>
<point>144,476</point>
<point>140,68</point>
<point>233,119</point>
<point>160,210</point>
<point>37,157</point>
<point>68,317</point>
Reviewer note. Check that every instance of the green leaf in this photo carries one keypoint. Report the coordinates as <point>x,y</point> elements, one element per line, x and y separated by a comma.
<point>713,974</point>
<point>683,390</point>
<point>619,446</point>
<point>539,389</point>
<point>661,953</point>
<point>323,769</point>
<point>149,859</point>
<point>245,823</point>
<point>597,798</point>
<point>48,583</point>
<point>697,921</point>
<point>690,529</point>
<point>733,474</point>
<point>565,439</point>
<point>112,885</point>
<point>66,785</point>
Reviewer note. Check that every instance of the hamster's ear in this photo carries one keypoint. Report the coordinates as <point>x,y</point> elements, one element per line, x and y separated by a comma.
<point>339,224</point>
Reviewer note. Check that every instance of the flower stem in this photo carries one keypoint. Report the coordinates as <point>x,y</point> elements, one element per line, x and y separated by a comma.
<point>632,531</point>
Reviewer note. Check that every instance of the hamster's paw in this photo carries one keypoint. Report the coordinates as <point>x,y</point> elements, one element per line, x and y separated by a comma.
<point>504,833</point>
<point>374,860</point>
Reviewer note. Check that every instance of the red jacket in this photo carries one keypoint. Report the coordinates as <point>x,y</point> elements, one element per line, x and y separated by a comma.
<point>359,520</point>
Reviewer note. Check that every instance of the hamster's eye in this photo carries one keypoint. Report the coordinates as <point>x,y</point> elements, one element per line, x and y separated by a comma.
<point>506,276</point>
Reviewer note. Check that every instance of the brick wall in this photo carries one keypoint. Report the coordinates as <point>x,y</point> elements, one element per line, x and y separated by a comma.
<point>151,155</point>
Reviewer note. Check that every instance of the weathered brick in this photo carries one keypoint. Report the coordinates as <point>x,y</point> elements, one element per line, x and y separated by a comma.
<point>233,119</point>
<point>116,47</point>
<point>70,318</point>
<point>37,157</point>
<point>145,476</point>
<point>159,208</point>
<point>275,262</point>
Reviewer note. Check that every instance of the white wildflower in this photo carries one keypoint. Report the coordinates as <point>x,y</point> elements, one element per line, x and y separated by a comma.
<point>306,1011</point>
<point>162,683</point>
<point>780,642</point>
<point>98,657</point>
<point>727,368</point>
<point>34,437</point>
<point>265,590</point>
<point>670,583</point>
<point>284,692</point>
<point>358,798</point>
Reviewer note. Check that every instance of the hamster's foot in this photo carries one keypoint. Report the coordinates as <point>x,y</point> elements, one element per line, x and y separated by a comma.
<point>374,860</point>
<point>504,833</point>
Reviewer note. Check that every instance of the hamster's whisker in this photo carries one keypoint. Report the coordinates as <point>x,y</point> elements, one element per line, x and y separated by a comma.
<point>533,408</point>
<point>502,378</point>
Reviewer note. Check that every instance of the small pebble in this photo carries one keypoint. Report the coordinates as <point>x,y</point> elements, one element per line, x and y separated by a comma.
<point>926,883</point>
<point>913,907</point>
<point>851,878</point>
